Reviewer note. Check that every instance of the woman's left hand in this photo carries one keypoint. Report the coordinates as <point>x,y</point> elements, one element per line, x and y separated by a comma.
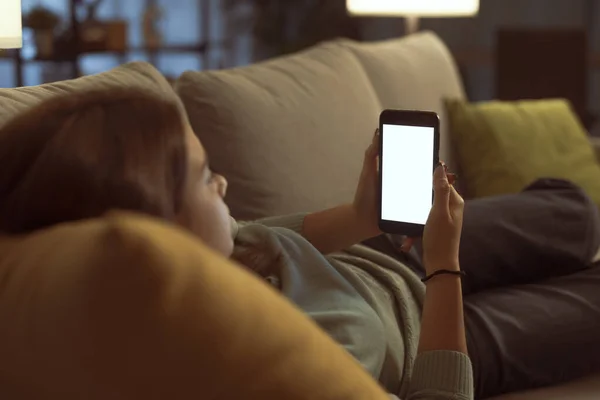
<point>366,197</point>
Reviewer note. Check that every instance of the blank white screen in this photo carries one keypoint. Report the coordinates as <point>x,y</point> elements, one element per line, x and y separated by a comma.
<point>407,165</point>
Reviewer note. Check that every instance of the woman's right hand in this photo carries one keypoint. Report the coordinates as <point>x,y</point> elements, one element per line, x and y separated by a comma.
<point>441,238</point>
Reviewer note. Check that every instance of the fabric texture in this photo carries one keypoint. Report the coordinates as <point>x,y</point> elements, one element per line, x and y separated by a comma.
<point>136,74</point>
<point>415,72</point>
<point>532,305</point>
<point>531,289</point>
<point>125,307</point>
<point>288,133</point>
<point>550,229</point>
<point>366,301</point>
<point>534,335</point>
<point>505,146</point>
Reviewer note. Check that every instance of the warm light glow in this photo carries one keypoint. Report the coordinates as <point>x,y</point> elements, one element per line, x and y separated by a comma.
<point>418,8</point>
<point>10,24</point>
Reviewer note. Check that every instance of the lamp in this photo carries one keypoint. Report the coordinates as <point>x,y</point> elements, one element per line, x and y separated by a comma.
<point>11,36</point>
<point>412,10</point>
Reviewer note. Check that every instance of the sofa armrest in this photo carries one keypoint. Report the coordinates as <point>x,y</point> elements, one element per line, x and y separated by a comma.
<point>596,144</point>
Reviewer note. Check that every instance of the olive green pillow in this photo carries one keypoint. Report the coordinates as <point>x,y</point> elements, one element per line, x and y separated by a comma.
<point>504,146</point>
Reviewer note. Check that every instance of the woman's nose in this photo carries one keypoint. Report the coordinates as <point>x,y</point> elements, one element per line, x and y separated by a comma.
<point>222,185</point>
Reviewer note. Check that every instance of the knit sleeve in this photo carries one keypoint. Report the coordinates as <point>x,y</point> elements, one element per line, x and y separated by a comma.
<point>441,375</point>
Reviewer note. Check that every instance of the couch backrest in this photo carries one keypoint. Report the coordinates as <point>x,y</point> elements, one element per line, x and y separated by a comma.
<point>135,74</point>
<point>415,73</point>
<point>290,133</point>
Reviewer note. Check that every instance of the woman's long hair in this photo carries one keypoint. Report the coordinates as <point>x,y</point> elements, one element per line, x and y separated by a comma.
<point>77,156</point>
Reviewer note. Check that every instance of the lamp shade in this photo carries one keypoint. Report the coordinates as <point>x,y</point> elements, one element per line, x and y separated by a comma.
<point>417,8</point>
<point>10,24</point>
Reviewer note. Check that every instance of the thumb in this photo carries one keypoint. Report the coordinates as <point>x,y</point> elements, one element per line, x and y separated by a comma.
<point>456,203</point>
<point>441,189</point>
<point>370,160</point>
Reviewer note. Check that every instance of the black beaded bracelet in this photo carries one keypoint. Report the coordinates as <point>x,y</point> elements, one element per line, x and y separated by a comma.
<point>442,272</point>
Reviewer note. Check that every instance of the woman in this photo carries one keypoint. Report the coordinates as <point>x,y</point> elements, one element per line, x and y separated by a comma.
<point>78,156</point>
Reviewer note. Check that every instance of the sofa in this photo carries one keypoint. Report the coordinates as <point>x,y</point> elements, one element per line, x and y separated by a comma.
<point>289,133</point>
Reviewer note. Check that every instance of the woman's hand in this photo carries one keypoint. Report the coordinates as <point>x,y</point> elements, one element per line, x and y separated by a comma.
<point>442,319</point>
<point>441,238</point>
<point>366,196</point>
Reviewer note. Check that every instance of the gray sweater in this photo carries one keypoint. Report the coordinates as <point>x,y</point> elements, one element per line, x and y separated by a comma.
<point>368,302</point>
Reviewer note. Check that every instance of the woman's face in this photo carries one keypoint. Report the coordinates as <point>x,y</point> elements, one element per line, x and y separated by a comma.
<point>203,210</point>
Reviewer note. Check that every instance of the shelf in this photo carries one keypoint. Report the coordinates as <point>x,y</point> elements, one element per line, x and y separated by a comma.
<point>199,48</point>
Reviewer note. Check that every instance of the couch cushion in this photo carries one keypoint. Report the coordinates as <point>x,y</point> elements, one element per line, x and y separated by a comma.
<point>129,308</point>
<point>289,134</point>
<point>136,74</point>
<point>504,146</point>
<point>416,73</point>
<point>583,389</point>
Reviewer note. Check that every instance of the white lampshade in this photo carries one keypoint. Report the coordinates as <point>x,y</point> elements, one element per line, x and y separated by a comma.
<point>11,33</point>
<point>417,8</point>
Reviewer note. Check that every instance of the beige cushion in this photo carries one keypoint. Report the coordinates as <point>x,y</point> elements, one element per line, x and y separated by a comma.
<point>129,308</point>
<point>415,73</point>
<point>289,134</point>
<point>136,74</point>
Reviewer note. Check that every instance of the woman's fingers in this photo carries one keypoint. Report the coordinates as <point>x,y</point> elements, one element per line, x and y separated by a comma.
<point>456,203</point>
<point>441,188</point>
<point>407,244</point>
<point>451,178</point>
<point>372,152</point>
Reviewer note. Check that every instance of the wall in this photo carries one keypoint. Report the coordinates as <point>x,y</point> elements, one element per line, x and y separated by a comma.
<point>182,24</point>
<point>479,33</point>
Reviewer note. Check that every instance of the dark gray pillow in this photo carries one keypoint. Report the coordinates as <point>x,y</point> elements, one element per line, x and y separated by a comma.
<point>552,228</point>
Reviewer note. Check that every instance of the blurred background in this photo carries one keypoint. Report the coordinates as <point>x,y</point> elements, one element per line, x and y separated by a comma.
<point>554,42</point>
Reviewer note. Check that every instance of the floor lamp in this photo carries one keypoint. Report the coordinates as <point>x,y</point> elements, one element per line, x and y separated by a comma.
<point>11,32</point>
<point>412,10</point>
<point>11,36</point>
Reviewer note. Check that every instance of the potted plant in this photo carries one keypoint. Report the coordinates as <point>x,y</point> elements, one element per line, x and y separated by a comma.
<point>285,26</point>
<point>43,22</point>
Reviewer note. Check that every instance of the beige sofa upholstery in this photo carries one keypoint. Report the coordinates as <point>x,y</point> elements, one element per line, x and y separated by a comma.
<point>284,130</point>
<point>135,75</point>
<point>413,73</point>
<point>290,133</point>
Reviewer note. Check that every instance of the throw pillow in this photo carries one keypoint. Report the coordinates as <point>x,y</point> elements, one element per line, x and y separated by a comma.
<point>503,147</point>
<point>126,307</point>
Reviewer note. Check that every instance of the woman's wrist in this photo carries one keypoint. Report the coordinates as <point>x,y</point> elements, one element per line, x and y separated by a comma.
<point>366,226</point>
<point>434,267</point>
<point>443,273</point>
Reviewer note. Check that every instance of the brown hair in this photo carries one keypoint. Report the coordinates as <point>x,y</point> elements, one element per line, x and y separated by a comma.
<point>78,156</point>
